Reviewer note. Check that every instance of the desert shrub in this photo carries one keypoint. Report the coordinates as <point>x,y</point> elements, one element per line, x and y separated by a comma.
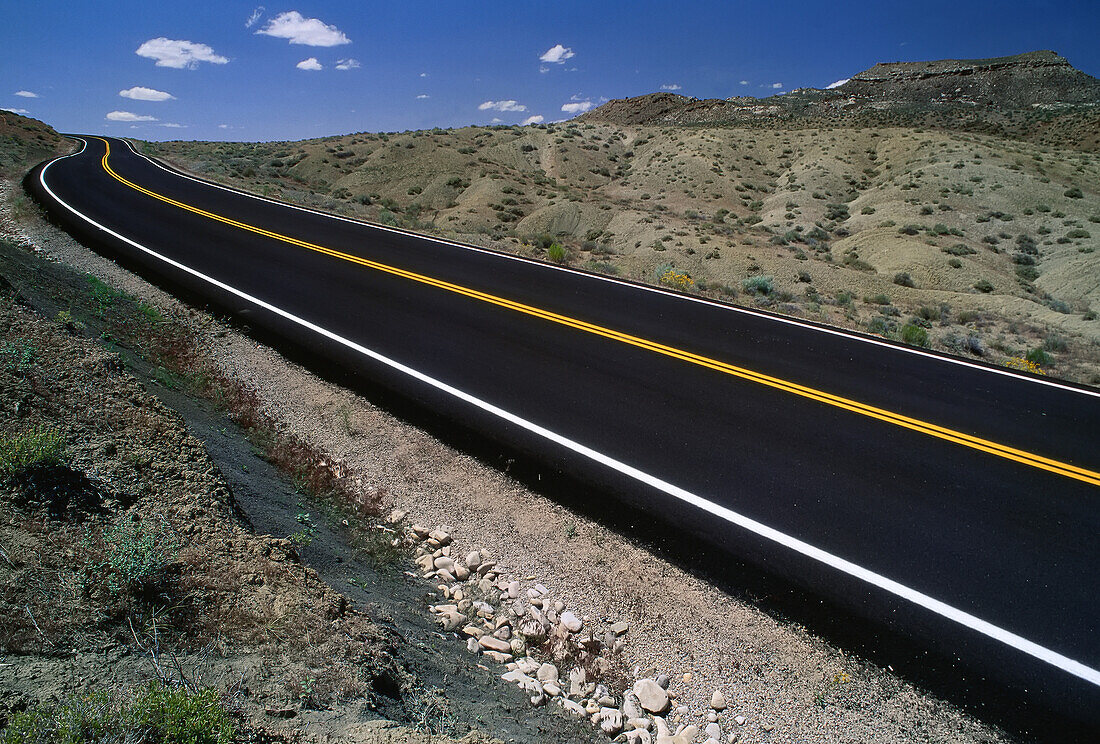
<point>1054,343</point>
<point>758,285</point>
<point>959,249</point>
<point>879,299</point>
<point>1078,233</point>
<point>1038,356</point>
<point>902,279</point>
<point>878,325</point>
<point>40,447</point>
<point>867,210</point>
<point>913,334</point>
<point>955,263</point>
<point>557,253</point>
<point>138,553</point>
<point>983,286</point>
<point>1073,193</point>
<point>157,714</point>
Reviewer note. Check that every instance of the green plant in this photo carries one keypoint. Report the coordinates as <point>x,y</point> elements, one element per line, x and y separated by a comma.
<point>138,553</point>
<point>1038,357</point>
<point>913,334</point>
<point>557,253</point>
<point>758,285</point>
<point>983,286</point>
<point>156,714</point>
<point>18,357</point>
<point>39,447</point>
<point>1073,193</point>
<point>902,279</point>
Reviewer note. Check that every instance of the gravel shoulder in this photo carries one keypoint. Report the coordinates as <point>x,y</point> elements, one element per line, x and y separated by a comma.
<point>782,683</point>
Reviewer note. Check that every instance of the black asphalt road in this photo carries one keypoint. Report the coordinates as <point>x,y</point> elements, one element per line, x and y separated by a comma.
<point>979,555</point>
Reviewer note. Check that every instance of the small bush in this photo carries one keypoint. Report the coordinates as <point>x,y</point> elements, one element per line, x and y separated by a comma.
<point>758,285</point>
<point>1038,356</point>
<point>138,554</point>
<point>157,714</point>
<point>913,334</point>
<point>983,286</point>
<point>1074,193</point>
<point>960,249</point>
<point>902,279</point>
<point>557,253</point>
<point>41,447</point>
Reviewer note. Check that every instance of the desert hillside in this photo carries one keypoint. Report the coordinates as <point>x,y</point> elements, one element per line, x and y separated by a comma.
<point>969,243</point>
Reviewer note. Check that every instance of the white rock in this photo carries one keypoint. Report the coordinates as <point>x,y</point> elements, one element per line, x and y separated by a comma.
<point>718,700</point>
<point>445,563</point>
<point>631,707</point>
<point>713,730</point>
<point>397,515</point>
<point>611,721</point>
<point>527,665</point>
<point>686,735</point>
<point>440,537</point>
<point>663,680</point>
<point>620,627</point>
<point>425,562</point>
<point>473,559</point>
<point>551,689</point>
<point>643,723</point>
<point>461,572</point>
<point>472,645</point>
<point>571,622</point>
<point>639,736</point>
<point>712,717</point>
<point>419,530</point>
<point>740,720</point>
<point>495,644</point>
<point>651,695</point>
<point>547,673</point>
<point>577,678</point>
<point>571,706</point>
<point>497,656</point>
<point>513,590</point>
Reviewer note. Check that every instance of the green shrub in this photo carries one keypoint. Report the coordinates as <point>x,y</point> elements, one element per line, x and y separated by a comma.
<point>983,286</point>
<point>138,553</point>
<point>18,357</point>
<point>557,253</point>
<point>1073,193</point>
<point>40,447</point>
<point>1038,356</point>
<point>960,249</point>
<point>758,285</point>
<point>913,334</point>
<point>157,714</point>
<point>902,279</point>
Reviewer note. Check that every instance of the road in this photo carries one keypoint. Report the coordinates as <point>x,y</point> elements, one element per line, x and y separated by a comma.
<point>949,498</point>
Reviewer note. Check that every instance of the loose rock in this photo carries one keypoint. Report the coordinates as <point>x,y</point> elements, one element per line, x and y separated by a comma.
<point>651,695</point>
<point>718,700</point>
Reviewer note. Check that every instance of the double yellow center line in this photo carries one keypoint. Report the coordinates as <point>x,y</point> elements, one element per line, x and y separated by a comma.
<point>924,427</point>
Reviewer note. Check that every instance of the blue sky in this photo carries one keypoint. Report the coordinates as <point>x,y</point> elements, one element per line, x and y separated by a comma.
<point>418,64</point>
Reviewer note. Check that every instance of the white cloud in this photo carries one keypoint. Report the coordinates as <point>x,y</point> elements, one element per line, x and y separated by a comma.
<point>671,86</point>
<point>298,29</point>
<point>256,15</point>
<point>347,64</point>
<point>497,120</point>
<point>536,119</point>
<point>15,111</point>
<point>777,86</point>
<point>223,126</point>
<point>837,84</point>
<point>179,54</point>
<point>744,82</point>
<point>557,54</point>
<point>577,108</point>
<point>544,68</point>
<point>422,96</point>
<point>26,94</point>
<point>139,93</point>
<point>423,74</point>
<point>310,63</point>
<point>501,106</point>
<point>173,125</point>
<point>128,116</point>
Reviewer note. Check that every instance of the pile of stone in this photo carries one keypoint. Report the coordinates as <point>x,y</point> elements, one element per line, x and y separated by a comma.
<point>515,623</point>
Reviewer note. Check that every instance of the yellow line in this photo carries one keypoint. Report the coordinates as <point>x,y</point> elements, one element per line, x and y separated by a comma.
<point>924,427</point>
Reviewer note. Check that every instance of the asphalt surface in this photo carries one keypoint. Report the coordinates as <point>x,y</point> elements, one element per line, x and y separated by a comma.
<point>981,556</point>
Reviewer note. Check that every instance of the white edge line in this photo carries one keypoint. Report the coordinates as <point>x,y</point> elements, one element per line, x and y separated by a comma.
<point>1013,640</point>
<point>611,280</point>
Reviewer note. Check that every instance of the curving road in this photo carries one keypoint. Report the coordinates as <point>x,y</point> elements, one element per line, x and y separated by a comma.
<point>950,499</point>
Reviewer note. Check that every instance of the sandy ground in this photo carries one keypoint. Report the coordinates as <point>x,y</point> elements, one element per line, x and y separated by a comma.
<point>788,685</point>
